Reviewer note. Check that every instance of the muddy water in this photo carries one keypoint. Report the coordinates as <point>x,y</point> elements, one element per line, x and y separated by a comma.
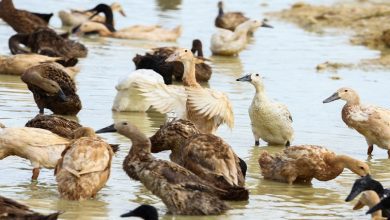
<point>286,56</point>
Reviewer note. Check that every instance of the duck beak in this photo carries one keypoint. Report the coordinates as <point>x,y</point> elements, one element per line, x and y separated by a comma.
<point>129,214</point>
<point>376,207</point>
<point>62,96</point>
<point>122,12</point>
<point>172,57</point>
<point>332,98</point>
<point>355,191</point>
<point>76,29</point>
<point>246,78</point>
<point>266,25</point>
<point>107,129</point>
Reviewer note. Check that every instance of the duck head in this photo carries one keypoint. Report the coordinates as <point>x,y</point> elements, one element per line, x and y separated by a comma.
<point>251,25</point>
<point>109,22</point>
<point>181,54</point>
<point>146,212</point>
<point>363,184</point>
<point>220,8</point>
<point>347,94</point>
<point>171,135</point>
<point>197,47</point>
<point>254,78</point>
<point>116,6</point>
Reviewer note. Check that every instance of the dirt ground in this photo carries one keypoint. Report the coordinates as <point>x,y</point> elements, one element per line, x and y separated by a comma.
<point>367,20</point>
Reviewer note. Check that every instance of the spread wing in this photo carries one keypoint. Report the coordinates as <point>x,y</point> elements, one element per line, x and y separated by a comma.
<point>212,104</point>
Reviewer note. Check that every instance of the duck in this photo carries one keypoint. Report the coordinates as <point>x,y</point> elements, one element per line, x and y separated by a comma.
<point>136,32</point>
<point>20,20</point>
<point>229,20</point>
<point>370,121</point>
<point>304,162</point>
<point>230,43</point>
<point>183,192</point>
<point>156,61</point>
<point>11,209</point>
<point>369,198</point>
<point>206,155</point>
<point>270,121</point>
<point>84,167</point>
<point>45,41</point>
<point>207,108</point>
<point>146,212</point>
<point>383,204</point>
<point>128,98</point>
<point>19,63</point>
<point>41,147</point>
<point>53,89</point>
<point>74,17</point>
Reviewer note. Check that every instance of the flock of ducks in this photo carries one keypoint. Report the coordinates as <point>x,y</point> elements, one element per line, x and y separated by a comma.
<point>204,170</point>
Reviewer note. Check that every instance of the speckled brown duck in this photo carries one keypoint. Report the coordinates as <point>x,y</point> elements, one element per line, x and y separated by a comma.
<point>47,42</point>
<point>20,20</point>
<point>11,209</point>
<point>52,89</point>
<point>183,192</point>
<point>56,124</point>
<point>206,155</point>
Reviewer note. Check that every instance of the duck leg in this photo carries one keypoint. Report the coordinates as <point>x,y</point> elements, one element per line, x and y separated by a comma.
<point>257,143</point>
<point>35,174</point>
<point>370,149</point>
<point>41,111</point>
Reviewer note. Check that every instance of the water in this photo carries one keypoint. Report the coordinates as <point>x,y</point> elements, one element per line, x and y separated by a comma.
<point>286,56</point>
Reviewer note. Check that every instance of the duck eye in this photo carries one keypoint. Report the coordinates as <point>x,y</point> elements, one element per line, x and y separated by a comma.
<point>362,168</point>
<point>346,90</point>
<point>257,74</point>
<point>124,123</point>
<point>185,51</point>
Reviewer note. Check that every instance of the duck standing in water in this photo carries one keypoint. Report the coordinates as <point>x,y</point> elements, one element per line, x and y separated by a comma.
<point>52,89</point>
<point>206,155</point>
<point>229,20</point>
<point>370,121</point>
<point>270,121</point>
<point>183,192</point>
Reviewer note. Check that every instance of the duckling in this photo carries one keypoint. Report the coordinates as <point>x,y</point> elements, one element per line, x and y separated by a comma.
<point>20,20</point>
<point>146,212</point>
<point>11,209</point>
<point>305,162</point>
<point>18,64</point>
<point>270,121</point>
<point>229,43</point>
<point>229,20</point>
<point>384,204</point>
<point>45,41</point>
<point>76,17</point>
<point>369,198</point>
<point>370,121</point>
<point>183,192</point>
<point>206,155</point>
<point>207,108</point>
<point>128,98</point>
<point>56,124</point>
<point>84,167</point>
<point>52,89</point>
<point>43,148</point>
<point>136,32</point>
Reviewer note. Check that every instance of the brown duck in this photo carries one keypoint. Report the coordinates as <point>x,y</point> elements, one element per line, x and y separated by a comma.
<point>20,20</point>
<point>229,20</point>
<point>183,192</point>
<point>52,89</point>
<point>206,155</point>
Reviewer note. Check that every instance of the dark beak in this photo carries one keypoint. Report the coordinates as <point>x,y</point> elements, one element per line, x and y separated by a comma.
<point>266,25</point>
<point>129,214</point>
<point>110,128</point>
<point>62,96</point>
<point>376,207</point>
<point>354,192</point>
<point>332,98</point>
<point>246,78</point>
<point>76,29</point>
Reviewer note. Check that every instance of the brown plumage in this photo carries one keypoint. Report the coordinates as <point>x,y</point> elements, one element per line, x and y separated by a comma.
<point>305,162</point>
<point>183,192</point>
<point>52,89</point>
<point>10,209</point>
<point>84,167</point>
<point>206,155</point>
<point>20,20</point>
<point>56,124</point>
<point>229,20</point>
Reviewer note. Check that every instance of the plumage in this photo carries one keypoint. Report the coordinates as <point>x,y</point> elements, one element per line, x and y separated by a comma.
<point>305,162</point>
<point>383,204</point>
<point>228,43</point>
<point>18,64</point>
<point>52,89</point>
<point>207,108</point>
<point>270,121</point>
<point>155,63</point>
<point>229,20</point>
<point>84,167</point>
<point>182,192</point>
<point>11,209</point>
<point>370,121</point>
<point>20,20</point>
<point>146,212</point>
<point>206,155</point>
<point>369,198</point>
<point>56,124</point>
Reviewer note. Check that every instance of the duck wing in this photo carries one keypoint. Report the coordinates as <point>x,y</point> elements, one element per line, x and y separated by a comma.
<point>284,112</point>
<point>211,104</point>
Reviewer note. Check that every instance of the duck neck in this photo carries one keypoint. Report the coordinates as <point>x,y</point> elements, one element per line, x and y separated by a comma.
<point>260,93</point>
<point>343,161</point>
<point>200,51</point>
<point>107,11</point>
<point>189,78</point>
<point>140,143</point>
<point>220,11</point>
<point>355,100</point>
<point>6,6</point>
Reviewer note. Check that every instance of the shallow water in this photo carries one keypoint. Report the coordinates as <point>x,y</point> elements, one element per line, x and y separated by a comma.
<point>286,56</point>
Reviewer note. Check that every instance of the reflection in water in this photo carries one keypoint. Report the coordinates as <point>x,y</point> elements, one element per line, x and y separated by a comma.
<point>164,5</point>
<point>228,65</point>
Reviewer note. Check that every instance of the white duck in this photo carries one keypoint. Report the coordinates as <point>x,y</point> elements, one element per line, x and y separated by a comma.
<point>206,108</point>
<point>128,97</point>
<point>271,121</point>
<point>370,121</point>
<point>228,43</point>
<point>76,17</point>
